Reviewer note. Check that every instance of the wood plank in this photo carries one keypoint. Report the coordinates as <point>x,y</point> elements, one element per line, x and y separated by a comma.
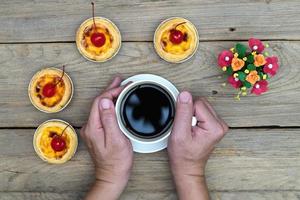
<point>166,195</point>
<point>41,21</point>
<point>245,160</point>
<point>18,62</point>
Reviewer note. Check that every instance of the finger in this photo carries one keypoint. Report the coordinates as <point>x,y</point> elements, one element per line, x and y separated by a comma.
<point>183,117</point>
<point>115,83</point>
<point>94,118</point>
<point>205,101</point>
<point>109,121</point>
<point>112,93</point>
<point>203,113</point>
<point>212,110</point>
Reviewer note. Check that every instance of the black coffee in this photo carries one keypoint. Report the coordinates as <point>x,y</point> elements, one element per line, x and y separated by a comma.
<point>147,111</point>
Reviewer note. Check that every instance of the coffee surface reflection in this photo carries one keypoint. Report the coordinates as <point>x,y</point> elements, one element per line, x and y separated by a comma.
<point>147,111</point>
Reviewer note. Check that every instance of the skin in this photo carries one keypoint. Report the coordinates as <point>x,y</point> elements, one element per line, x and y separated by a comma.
<point>188,148</point>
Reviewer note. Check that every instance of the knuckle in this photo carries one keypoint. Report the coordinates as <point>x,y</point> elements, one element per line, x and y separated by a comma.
<point>219,130</point>
<point>108,116</point>
<point>226,128</point>
<point>199,103</point>
<point>82,131</point>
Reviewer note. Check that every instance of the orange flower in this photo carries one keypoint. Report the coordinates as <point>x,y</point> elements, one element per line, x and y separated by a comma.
<point>252,77</point>
<point>237,64</point>
<point>259,60</point>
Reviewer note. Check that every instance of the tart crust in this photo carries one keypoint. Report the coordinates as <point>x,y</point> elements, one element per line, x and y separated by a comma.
<point>112,36</point>
<point>176,53</point>
<point>43,137</point>
<point>63,94</point>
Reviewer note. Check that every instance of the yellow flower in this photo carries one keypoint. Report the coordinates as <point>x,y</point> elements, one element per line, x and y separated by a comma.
<point>259,60</point>
<point>252,77</point>
<point>224,68</point>
<point>237,64</point>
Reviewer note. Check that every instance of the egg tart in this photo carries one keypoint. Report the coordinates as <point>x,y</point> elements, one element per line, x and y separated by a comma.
<point>176,40</point>
<point>55,141</point>
<point>50,90</point>
<point>98,39</point>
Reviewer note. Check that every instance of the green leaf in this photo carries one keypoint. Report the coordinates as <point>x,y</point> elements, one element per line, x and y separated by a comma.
<point>229,70</point>
<point>241,50</point>
<point>261,74</point>
<point>242,76</point>
<point>250,58</point>
<point>247,84</point>
<point>251,67</point>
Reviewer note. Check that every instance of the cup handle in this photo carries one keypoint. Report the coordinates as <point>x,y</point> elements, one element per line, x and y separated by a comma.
<point>194,121</point>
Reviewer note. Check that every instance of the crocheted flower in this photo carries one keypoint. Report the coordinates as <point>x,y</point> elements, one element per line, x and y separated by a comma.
<point>256,45</point>
<point>224,58</point>
<point>235,82</point>
<point>252,77</point>
<point>259,60</point>
<point>260,87</point>
<point>271,65</point>
<point>237,64</point>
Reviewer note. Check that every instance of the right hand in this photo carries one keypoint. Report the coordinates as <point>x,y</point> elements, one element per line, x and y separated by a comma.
<point>190,147</point>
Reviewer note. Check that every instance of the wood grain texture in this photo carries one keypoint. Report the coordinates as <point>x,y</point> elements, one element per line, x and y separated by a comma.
<point>45,21</point>
<point>167,195</point>
<point>18,62</point>
<point>245,160</point>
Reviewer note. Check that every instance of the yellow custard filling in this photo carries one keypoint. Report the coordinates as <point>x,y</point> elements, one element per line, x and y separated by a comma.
<point>176,49</point>
<point>90,47</point>
<point>45,142</point>
<point>59,90</point>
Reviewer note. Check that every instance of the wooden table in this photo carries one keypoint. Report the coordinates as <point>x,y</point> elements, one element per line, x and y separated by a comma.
<point>258,159</point>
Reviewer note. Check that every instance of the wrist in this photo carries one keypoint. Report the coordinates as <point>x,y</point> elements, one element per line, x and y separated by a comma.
<point>188,170</point>
<point>112,180</point>
<point>191,186</point>
<point>104,190</point>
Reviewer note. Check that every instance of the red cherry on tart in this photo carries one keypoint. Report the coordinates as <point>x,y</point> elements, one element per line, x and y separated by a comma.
<point>98,39</point>
<point>58,143</point>
<point>176,36</point>
<point>55,141</point>
<point>49,90</point>
<point>176,40</point>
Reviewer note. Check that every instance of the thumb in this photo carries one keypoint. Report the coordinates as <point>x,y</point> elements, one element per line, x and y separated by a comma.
<point>184,114</point>
<point>109,120</point>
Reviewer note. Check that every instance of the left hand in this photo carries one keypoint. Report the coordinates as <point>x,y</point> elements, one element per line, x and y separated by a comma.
<point>110,150</point>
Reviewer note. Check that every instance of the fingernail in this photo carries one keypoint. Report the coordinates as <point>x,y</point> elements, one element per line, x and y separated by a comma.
<point>185,97</point>
<point>105,104</point>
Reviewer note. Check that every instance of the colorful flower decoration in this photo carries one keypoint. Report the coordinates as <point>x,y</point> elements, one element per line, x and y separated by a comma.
<point>256,45</point>
<point>248,69</point>
<point>271,65</point>
<point>260,87</point>
<point>225,58</point>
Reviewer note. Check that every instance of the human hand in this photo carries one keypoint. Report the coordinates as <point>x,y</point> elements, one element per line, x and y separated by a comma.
<point>110,150</point>
<point>189,147</point>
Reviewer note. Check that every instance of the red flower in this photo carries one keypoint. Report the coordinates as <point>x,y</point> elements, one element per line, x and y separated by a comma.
<point>260,87</point>
<point>235,82</point>
<point>256,45</point>
<point>224,58</point>
<point>271,65</point>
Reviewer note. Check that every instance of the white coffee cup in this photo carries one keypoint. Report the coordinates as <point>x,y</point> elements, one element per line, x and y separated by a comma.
<point>146,145</point>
